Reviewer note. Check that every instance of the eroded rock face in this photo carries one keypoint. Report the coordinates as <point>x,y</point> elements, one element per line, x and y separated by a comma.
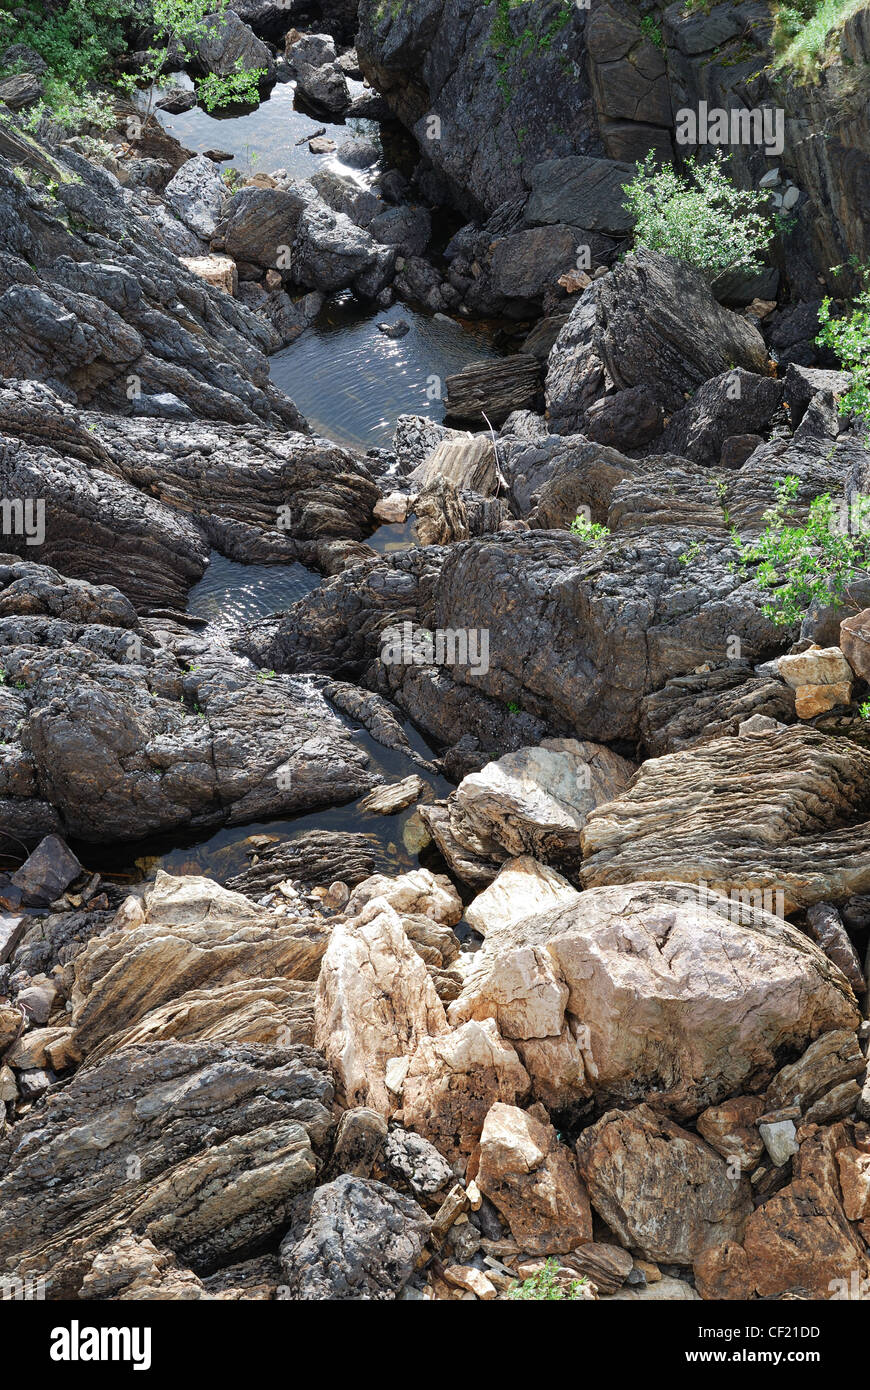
<point>523,887</point>
<point>715,993</point>
<point>531,1180</point>
<point>202,1149</point>
<point>661,1189</point>
<point>353,1239</point>
<point>775,824</point>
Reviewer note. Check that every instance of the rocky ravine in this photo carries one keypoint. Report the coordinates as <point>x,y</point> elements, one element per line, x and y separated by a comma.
<point>643,1055</point>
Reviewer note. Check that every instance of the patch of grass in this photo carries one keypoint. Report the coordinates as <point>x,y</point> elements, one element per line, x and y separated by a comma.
<point>805,31</point>
<point>849,338</point>
<point>546,1286</point>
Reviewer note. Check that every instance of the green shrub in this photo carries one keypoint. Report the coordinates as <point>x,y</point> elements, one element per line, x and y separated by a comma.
<point>591,531</point>
<point>849,338</point>
<point>699,217</point>
<point>808,562</point>
<point>803,32</point>
<point>545,1286</point>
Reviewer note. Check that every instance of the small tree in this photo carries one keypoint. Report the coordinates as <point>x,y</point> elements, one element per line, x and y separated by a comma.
<point>810,562</point>
<point>177,26</point>
<point>699,217</point>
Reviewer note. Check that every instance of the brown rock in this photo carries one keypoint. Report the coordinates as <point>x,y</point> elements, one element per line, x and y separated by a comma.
<point>731,1130</point>
<point>855,642</point>
<point>660,1189</point>
<point>855,1182</point>
<point>531,1180</point>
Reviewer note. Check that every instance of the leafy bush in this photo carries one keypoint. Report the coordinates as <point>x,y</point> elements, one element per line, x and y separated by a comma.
<point>546,1286</point>
<point>811,561</point>
<point>591,531</point>
<point>699,216</point>
<point>849,338</point>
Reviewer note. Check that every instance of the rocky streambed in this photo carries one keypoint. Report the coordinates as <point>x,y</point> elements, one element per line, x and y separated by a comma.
<point>430,872</point>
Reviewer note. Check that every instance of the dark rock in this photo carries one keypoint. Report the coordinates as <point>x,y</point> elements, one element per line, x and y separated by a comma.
<point>489,391</point>
<point>353,1239</point>
<point>47,873</point>
<point>20,91</point>
<point>626,420</point>
<point>735,402</point>
<point>317,857</point>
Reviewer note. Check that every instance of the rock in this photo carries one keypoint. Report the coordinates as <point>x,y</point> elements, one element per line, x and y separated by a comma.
<point>197,194</point>
<point>626,420</point>
<point>375,1002</point>
<point>387,801</point>
<point>176,100</point>
<point>419,893</point>
<point>20,91</point>
<point>221,1139</point>
<point>797,793</point>
<point>730,1128</point>
<point>219,271</point>
<point>47,872</point>
<point>224,45</point>
<point>715,996</point>
<point>606,1266</point>
<point>712,703</point>
<point>490,391</point>
<point>821,679</point>
<point>408,229</point>
<point>11,930</point>
<point>132,1269</point>
<point>258,222</point>
<point>472,1279</point>
<point>659,1188</point>
<point>353,1239</point>
<point>469,462</point>
<point>530,1179</point>
<point>417,1161</point>
<point>831,1060</point>
<point>393,509</point>
<point>854,1168</point>
<point>665,1291</point>
<point>316,857</point>
<point>523,887</point>
<point>453,1080</point>
<point>536,802</point>
<point>779,1140</point>
<point>359,1142</point>
<point>734,404</point>
<point>855,643</point>
<point>826,928</point>
<point>652,322</point>
<point>330,253</point>
<point>324,87</point>
<point>582,192</point>
<point>395,330</point>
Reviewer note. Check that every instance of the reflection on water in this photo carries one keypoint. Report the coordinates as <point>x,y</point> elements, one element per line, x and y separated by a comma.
<point>230,593</point>
<point>351,381</point>
<point>265,139</point>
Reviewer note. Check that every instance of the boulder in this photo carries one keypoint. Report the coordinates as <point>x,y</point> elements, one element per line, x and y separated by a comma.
<point>523,887</point>
<point>353,1239</point>
<point>855,643</point>
<point>715,993</point>
<point>197,194</point>
<point>225,44</point>
<point>47,872</point>
<point>786,820</point>
<point>530,1179</point>
<point>661,1189</point>
<point>418,1162</point>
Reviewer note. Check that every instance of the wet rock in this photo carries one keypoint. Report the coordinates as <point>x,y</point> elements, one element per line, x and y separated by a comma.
<point>316,857</point>
<point>47,873</point>
<point>715,994</point>
<point>530,1178</point>
<point>353,1239</point>
<point>222,1142</point>
<point>797,793</point>
<point>659,1188</point>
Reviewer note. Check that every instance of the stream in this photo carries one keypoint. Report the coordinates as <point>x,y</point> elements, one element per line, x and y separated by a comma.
<point>351,382</point>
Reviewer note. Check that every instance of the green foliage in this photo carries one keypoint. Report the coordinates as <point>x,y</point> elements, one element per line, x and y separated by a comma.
<point>804,32</point>
<point>811,561</point>
<point>690,553</point>
<point>546,1287</point>
<point>510,46</point>
<point>864,710</point>
<point>650,27</point>
<point>513,707</point>
<point>591,531</point>
<point>79,43</point>
<point>699,216</point>
<point>242,85</point>
<point>849,338</point>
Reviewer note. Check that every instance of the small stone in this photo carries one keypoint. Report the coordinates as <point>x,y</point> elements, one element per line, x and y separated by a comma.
<point>779,1140</point>
<point>759,724</point>
<point>393,509</point>
<point>474,1280</point>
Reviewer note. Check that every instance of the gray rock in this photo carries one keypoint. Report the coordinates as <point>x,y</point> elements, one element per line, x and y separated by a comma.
<point>47,873</point>
<point>354,1239</point>
<point>417,1161</point>
<point>197,194</point>
<point>582,192</point>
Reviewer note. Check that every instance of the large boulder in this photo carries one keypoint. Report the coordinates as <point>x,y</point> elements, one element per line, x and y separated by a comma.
<point>661,1189</point>
<point>530,1179</point>
<point>653,992</point>
<point>652,321</point>
<point>788,820</point>
<point>197,194</point>
<point>225,44</point>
